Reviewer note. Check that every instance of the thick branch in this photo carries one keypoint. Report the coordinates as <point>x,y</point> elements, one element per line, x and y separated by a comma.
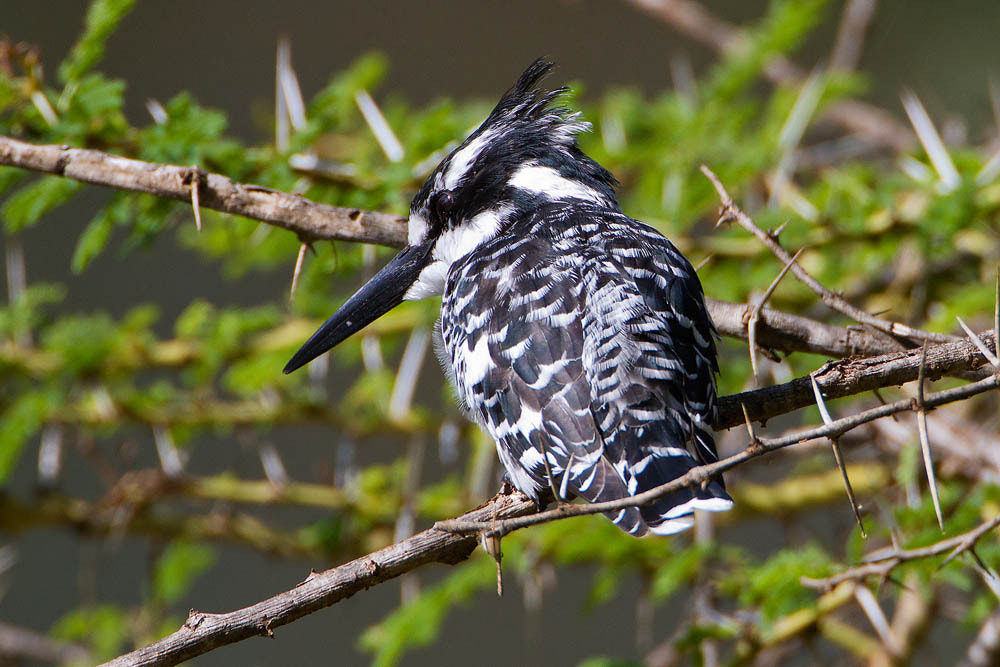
<point>848,377</point>
<point>308,219</point>
<point>203,632</point>
<point>775,330</point>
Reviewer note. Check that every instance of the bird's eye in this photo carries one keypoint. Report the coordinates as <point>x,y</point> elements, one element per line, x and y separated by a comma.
<point>442,205</point>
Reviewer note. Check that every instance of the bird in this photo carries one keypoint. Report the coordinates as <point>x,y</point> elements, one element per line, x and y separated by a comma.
<point>577,337</point>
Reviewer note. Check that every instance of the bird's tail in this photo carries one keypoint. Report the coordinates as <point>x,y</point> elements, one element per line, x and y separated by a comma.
<point>600,482</point>
<point>658,464</point>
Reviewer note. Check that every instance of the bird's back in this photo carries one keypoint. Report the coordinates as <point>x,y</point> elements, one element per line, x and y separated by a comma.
<point>582,334</point>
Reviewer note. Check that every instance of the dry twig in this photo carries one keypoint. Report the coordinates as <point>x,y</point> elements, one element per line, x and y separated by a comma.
<point>884,562</point>
<point>732,212</point>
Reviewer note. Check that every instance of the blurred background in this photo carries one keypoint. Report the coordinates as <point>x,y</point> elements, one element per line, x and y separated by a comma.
<point>627,66</point>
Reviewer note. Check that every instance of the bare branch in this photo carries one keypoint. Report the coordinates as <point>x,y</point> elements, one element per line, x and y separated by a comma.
<point>17,644</point>
<point>203,632</point>
<point>308,219</point>
<point>732,212</point>
<point>848,377</point>
<point>854,22</point>
<point>882,563</point>
<point>311,221</point>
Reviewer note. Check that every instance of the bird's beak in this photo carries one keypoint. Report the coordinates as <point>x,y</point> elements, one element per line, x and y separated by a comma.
<point>378,296</point>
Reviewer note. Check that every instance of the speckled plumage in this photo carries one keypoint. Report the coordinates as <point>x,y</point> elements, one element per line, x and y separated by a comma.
<point>575,335</point>
<point>581,332</point>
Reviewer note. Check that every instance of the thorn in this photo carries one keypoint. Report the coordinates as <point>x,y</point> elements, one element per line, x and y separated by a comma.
<point>931,140</point>
<point>996,315</point>
<point>955,553</point>
<point>298,269</point>
<point>379,126</point>
<point>835,445</point>
<point>925,443</point>
<point>491,544</point>
<point>746,418</point>
<point>753,315</point>
<point>195,203</point>
<point>775,233</point>
<point>985,351</point>
<point>752,342</point>
<point>703,262</point>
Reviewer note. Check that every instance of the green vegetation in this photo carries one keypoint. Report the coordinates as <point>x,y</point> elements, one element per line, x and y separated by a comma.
<point>889,241</point>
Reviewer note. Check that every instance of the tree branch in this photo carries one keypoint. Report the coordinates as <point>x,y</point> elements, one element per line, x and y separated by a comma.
<point>883,563</point>
<point>775,330</point>
<point>848,377</point>
<point>308,219</point>
<point>203,632</point>
<point>732,212</point>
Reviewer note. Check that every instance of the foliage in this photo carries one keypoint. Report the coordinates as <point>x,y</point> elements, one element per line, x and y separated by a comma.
<point>889,238</point>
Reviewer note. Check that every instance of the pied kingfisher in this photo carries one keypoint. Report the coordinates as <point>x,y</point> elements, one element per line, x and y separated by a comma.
<point>575,335</point>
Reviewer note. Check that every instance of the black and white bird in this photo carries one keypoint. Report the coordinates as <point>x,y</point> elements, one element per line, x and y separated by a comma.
<point>577,337</point>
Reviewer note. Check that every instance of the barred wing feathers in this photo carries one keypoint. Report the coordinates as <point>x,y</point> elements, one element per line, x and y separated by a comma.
<point>580,336</point>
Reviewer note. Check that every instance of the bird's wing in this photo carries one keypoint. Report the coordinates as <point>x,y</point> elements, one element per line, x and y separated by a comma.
<point>651,361</point>
<point>513,322</point>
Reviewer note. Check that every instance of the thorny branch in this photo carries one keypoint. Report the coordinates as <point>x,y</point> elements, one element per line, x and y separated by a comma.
<point>203,632</point>
<point>453,541</point>
<point>505,513</point>
<point>732,212</point>
<point>774,330</point>
<point>308,219</point>
<point>881,564</point>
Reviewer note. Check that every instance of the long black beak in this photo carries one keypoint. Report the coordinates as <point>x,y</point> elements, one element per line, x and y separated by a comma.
<point>377,297</point>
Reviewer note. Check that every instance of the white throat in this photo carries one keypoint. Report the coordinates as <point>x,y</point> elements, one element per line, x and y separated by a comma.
<point>452,245</point>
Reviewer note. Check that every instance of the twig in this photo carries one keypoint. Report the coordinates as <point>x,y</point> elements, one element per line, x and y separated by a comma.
<point>17,644</point>
<point>753,313</point>
<point>886,561</point>
<point>730,211</point>
<point>313,221</point>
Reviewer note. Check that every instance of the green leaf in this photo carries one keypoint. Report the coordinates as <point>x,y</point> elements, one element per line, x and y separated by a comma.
<point>26,206</point>
<point>92,240</point>
<point>418,622</point>
<point>22,419</point>
<point>103,18</point>
<point>105,628</point>
<point>177,568</point>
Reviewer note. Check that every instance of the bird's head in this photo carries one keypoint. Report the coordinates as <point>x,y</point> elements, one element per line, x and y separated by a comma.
<point>523,156</point>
